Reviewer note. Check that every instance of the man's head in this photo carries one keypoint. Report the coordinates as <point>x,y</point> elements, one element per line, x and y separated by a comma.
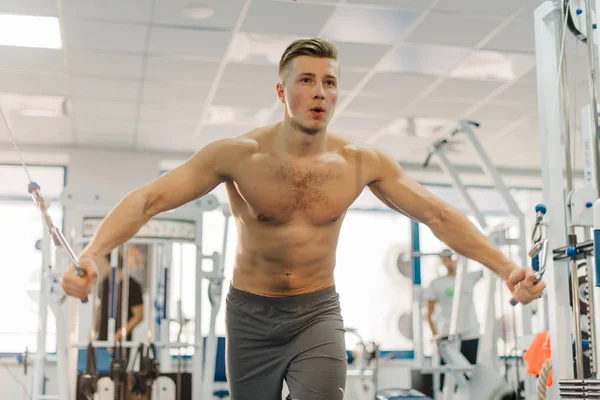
<point>448,259</point>
<point>308,83</point>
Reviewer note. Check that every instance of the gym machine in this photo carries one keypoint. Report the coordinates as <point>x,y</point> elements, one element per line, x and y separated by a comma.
<point>572,284</point>
<point>152,361</point>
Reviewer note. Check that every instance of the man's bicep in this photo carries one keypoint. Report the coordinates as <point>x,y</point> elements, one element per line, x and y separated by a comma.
<point>138,311</point>
<point>196,177</point>
<point>402,193</point>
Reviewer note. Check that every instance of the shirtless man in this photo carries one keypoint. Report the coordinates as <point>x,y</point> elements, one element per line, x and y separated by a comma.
<point>289,187</point>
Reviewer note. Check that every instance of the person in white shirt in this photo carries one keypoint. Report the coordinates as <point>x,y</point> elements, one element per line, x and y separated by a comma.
<point>440,297</point>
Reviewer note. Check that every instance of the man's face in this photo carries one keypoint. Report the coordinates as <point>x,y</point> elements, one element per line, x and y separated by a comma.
<point>449,263</point>
<point>309,91</point>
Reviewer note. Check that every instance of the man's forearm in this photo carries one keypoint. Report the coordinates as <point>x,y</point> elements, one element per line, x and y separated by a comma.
<point>120,225</point>
<point>432,327</point>
<point>455,229</point>
<point>131,324</point>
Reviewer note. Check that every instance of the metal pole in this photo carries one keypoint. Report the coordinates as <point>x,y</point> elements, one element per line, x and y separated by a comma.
<point>591,279</point>
<point>548,22</point>
<point>462,190</point>
<point>592,89</point>
<point>40,354</point>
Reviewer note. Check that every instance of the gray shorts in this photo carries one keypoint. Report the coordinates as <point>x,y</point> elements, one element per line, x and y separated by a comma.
<point>298,338</point>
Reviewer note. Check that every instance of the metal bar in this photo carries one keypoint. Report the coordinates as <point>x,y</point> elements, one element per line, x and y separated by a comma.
<point>591,279</point>
<point>417,294</point>
<point>458,300</point>
<point>592,88</point>
<point>547,23</point>
<point>40,357</point>
<point>462,190</point>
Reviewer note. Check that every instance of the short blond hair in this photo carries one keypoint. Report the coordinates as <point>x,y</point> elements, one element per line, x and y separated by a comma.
<point>315,47</point>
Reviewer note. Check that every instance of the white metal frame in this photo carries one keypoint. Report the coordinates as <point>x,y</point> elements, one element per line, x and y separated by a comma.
<point>487,359</point>
<point>548,30</point>
<point>82,203</point>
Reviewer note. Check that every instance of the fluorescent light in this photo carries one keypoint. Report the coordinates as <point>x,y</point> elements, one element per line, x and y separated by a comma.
<point>494,65</point>
<point>32,105</point>
<point>29,31</point>
<point>198,11</point>
<point>42,113</point>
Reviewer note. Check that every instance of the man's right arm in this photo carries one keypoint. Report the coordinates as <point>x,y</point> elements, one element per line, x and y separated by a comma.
<point>205,170</point>
<point>430,310</point>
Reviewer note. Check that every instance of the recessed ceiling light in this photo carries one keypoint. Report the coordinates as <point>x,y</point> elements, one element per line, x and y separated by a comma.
<point>29,31</point>
<point>198,11</point>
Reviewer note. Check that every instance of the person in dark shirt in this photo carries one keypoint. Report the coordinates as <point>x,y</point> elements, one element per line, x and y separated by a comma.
<point>135,313</point>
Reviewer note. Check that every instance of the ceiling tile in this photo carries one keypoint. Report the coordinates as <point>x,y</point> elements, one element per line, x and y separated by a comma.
<point>263,96</point>
<point>259,48</point>
<point>215,132</point>
<point>159,142</point>
<point>384,107</point>
<point>171,69</point>
<point>247,75</point>
<point>520,93</point>
<point>529,8</point>
<point>173,12</point>
<point>31,59</point>
<point>33,83</point>
<point>30,7</point>
<point>108,36</point>
<point>400,4</point>
<point>403,147</point>
<point>184,115</point>
<point>530,76</point>
<point>200,43</point>
<point>439,109</point>
<point>423,60</point>
<point>400,86</point>
<point>489,127</point>
<point>494,65</point>
<point>109,10</point>
<point>105,126</point>
<point>367,25</point>
<point>41,130</point>
<point>83,107</point>
<point>345,123</point>
<point>104,88</point>
<point>516,36</point>
<point>349,80</point>
<point>359,55</point>
<point>275,17</point>
<point>500,112</point>
<point>164,94</point>
<point>502,8</point>
<point>107,141</point>
<point>421,127</point>
<point>441,28</point>
<point>452,88</point>
<point>165,128</point>
<point>361,136</point>
<point>106,64</point>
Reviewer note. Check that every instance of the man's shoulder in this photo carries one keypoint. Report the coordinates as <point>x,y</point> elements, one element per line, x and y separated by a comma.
<point>351,148</point>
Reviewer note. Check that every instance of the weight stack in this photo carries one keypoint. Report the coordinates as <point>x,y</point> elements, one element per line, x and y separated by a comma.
<point>571,389</point>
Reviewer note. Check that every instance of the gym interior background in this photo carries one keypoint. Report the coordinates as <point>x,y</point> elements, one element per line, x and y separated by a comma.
<point>107,95</point>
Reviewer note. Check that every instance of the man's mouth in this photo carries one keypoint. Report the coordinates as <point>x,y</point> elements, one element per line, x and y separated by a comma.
<point>317,111</point>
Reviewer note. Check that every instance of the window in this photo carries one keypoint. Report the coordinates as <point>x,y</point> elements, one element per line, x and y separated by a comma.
<point>20,228</point>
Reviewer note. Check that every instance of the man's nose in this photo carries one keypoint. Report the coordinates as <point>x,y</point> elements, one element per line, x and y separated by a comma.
<point>319,93</point>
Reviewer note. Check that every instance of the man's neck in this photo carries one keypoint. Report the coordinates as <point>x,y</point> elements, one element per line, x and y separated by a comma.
<point>294,141</point>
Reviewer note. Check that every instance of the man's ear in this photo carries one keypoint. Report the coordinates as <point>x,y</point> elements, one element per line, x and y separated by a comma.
<point>280,95</point>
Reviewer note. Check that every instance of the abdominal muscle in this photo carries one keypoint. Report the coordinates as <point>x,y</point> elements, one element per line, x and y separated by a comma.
<point>285,260</point>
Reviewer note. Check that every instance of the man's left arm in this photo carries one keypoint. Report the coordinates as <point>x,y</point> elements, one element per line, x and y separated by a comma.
<point>137,315</point>
<point>400,192</point>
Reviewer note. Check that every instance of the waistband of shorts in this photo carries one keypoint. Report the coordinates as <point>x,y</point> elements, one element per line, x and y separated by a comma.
<point>283,301</point>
